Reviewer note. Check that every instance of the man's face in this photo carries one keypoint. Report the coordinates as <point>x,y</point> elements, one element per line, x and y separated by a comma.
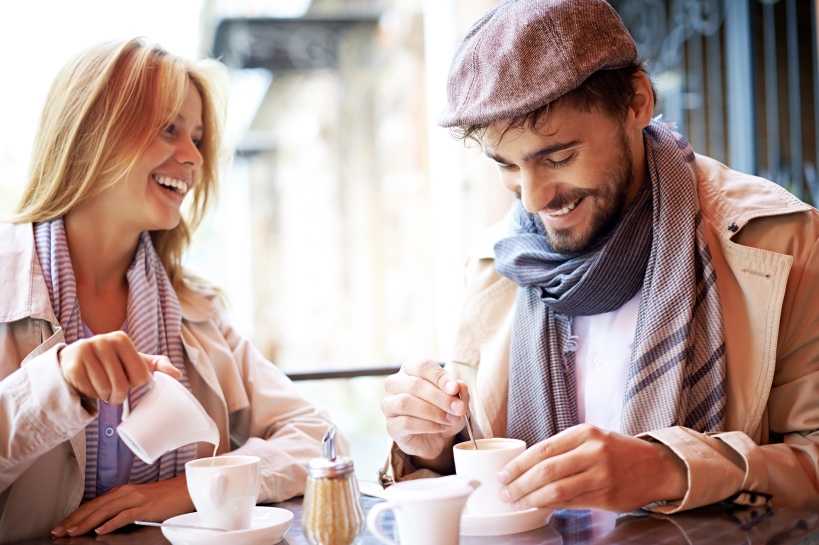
<point>576,172</point>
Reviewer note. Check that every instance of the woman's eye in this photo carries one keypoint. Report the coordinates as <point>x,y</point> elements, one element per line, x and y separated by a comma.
<point>170,130</point>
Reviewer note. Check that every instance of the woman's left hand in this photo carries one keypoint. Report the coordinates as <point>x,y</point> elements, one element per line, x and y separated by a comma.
<point>123,505</point>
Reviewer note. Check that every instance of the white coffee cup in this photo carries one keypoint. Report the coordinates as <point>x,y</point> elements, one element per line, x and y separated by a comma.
<point>166,418</point>
<point>427,511</point>
<point>484,465</point>
<point>224,490</point>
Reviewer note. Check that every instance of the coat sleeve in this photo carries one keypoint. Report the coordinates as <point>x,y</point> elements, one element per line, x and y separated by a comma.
<point>38,409</point>
<point>782,460</point>
<point>278,424</point>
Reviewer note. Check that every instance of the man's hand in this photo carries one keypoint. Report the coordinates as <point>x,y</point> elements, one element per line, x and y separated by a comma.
<point>585,467</point>
<point>106,366</point>
<point>124,504</point>
<point>423,409</point>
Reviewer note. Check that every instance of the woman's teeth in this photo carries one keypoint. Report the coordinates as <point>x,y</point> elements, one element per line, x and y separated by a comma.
<point>565,210</point>
<point>172,183</point>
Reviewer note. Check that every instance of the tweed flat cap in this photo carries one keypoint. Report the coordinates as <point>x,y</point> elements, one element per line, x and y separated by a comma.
<point>523,54</point>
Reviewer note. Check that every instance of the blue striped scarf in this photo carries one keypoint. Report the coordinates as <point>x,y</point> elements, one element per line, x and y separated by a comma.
<point>677,369</point>
<point>154,325</point>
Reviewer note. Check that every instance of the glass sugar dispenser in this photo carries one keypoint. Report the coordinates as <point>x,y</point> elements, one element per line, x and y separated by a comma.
<point>332,513</point>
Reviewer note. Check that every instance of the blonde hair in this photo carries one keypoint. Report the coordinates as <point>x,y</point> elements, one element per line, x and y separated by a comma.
<point>103,110</point>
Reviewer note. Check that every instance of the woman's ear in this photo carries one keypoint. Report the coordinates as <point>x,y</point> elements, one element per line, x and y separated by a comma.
<point>641,109</point>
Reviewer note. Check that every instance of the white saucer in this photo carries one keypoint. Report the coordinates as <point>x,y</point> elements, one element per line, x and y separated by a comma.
<point>268,526</point>
<point>504,523</point>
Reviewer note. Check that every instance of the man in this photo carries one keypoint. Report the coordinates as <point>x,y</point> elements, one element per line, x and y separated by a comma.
<point>648,321</point>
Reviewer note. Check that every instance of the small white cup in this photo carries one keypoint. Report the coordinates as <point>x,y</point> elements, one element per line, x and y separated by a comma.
<point>427,511</point>
<point>224,490</point>
<point>483,465</point>
<point>166,418</point>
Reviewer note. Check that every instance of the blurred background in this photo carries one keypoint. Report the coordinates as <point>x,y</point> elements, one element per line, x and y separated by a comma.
<point>345,216</point>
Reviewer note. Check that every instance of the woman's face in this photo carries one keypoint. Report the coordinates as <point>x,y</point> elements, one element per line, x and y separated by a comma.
<point>150,196</point>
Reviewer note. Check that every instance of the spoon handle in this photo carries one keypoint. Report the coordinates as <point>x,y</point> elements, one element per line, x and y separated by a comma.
<point>469,426</point>
<point>174,525</point>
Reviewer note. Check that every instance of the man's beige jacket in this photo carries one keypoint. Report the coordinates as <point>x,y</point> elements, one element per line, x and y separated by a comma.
<point>765,248</point>
<point>42,419</point>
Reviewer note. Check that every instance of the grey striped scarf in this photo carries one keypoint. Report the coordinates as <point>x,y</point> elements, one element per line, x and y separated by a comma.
<point>677,370</point>
<point>154,325</point>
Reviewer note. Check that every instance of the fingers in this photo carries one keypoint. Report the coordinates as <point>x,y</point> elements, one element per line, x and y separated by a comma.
<point>432,373</point>
<point>428,382</point>
<point>107,366</point>
<point>161,364</point>
<point>560,443</point>
<point>103,514</point>
<point>578,490</point>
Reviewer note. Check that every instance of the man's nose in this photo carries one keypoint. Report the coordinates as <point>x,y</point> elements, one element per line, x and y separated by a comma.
<point>535,190</point>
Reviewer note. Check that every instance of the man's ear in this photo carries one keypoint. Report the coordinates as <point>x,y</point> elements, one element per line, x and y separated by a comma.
<point>641,109</point>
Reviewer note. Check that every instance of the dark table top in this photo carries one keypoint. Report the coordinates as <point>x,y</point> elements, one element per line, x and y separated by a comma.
<point>718,525</point>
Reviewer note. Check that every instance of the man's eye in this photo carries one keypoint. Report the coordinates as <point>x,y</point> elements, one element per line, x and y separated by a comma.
<point>562,163</point>
<point>506,168</point>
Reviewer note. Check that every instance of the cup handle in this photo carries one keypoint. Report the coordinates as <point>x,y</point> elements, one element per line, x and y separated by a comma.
<point>126,405</point>
<point>372,518</point>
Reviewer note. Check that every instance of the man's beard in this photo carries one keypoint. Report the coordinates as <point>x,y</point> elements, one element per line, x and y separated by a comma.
<point>609,203</point>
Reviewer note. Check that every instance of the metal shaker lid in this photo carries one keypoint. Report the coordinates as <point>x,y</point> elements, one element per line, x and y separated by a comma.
<point>330,465</point>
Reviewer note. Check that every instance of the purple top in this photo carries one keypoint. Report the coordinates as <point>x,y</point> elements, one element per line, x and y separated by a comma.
<point>114,458</point>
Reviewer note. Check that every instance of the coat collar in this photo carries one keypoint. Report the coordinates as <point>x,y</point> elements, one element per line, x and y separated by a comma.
<point>732,199</point>
<point>20,270</point>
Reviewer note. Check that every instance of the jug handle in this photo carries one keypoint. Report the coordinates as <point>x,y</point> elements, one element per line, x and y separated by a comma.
<point>372,517</point>
<point>126,405</point>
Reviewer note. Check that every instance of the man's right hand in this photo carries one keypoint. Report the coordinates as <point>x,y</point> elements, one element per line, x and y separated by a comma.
<point>423,409</point>
<point>106,366</point>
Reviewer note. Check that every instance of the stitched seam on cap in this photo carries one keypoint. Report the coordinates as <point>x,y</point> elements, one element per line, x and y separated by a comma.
<point>473,63</point>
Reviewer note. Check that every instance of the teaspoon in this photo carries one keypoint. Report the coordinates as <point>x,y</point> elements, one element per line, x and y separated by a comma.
<point>469,425</point>
<point>174,525</point>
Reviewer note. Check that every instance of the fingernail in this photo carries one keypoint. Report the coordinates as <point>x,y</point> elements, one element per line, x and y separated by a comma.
<point>451,387</point>
<point>503,476</point>
<point>505,497</point>
<point>57,530</point>
<point>457,406</point>
<point>72,530</point>
<point>452,417</point>
<point>100,529</point>
<point>516,505</point>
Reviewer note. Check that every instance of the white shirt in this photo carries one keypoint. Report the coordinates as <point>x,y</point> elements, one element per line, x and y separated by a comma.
<point>604,343</point>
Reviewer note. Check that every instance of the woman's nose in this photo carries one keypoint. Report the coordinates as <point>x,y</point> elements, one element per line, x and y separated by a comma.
<point>188,153</point>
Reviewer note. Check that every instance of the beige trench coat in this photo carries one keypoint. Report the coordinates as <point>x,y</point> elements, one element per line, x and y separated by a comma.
<point>765,251</point>
<point>42,420</point>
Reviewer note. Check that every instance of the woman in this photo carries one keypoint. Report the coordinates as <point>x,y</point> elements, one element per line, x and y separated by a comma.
<point>95,298</point>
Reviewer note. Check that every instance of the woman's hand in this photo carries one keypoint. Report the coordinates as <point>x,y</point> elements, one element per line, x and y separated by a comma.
<point>123,505</point>
<point>106,366</point>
